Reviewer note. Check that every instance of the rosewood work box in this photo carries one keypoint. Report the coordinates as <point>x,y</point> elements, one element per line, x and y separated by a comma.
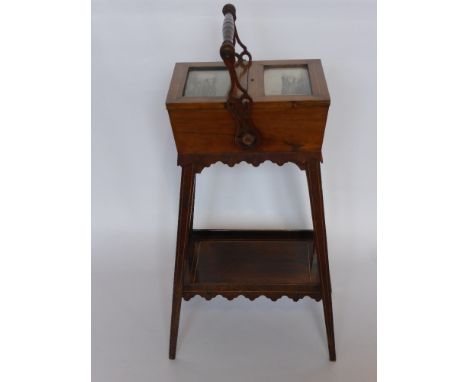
<point>289,107</point>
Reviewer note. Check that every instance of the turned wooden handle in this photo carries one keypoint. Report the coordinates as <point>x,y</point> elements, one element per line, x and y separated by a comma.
<point>229,26</point>
<point>227,49</point>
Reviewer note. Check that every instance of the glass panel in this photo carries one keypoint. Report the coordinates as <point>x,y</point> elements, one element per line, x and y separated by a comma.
<point>207,82</point>
<point>287,81</point>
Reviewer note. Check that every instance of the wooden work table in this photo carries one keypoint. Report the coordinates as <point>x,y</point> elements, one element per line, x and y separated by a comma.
<point>244,110</point>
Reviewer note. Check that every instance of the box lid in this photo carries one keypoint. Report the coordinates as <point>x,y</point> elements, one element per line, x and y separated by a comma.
<point>271,84</point>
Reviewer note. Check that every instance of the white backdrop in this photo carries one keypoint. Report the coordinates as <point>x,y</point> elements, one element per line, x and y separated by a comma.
<point>135,185</point>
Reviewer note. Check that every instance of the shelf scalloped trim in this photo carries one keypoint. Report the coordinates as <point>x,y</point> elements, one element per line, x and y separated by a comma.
<point>251,295</point>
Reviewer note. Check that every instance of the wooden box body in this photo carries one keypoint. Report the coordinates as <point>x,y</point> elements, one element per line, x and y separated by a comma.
<point>287,123</point>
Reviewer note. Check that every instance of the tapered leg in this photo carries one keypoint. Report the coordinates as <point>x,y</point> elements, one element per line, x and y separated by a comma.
<point>190,254</point>
<point>314,181</point>
<point>187,193</point>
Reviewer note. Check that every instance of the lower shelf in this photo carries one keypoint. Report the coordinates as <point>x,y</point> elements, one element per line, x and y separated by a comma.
<point>251,263</point>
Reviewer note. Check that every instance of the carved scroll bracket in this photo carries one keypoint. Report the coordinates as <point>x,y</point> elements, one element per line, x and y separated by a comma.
<point>239,101</point>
